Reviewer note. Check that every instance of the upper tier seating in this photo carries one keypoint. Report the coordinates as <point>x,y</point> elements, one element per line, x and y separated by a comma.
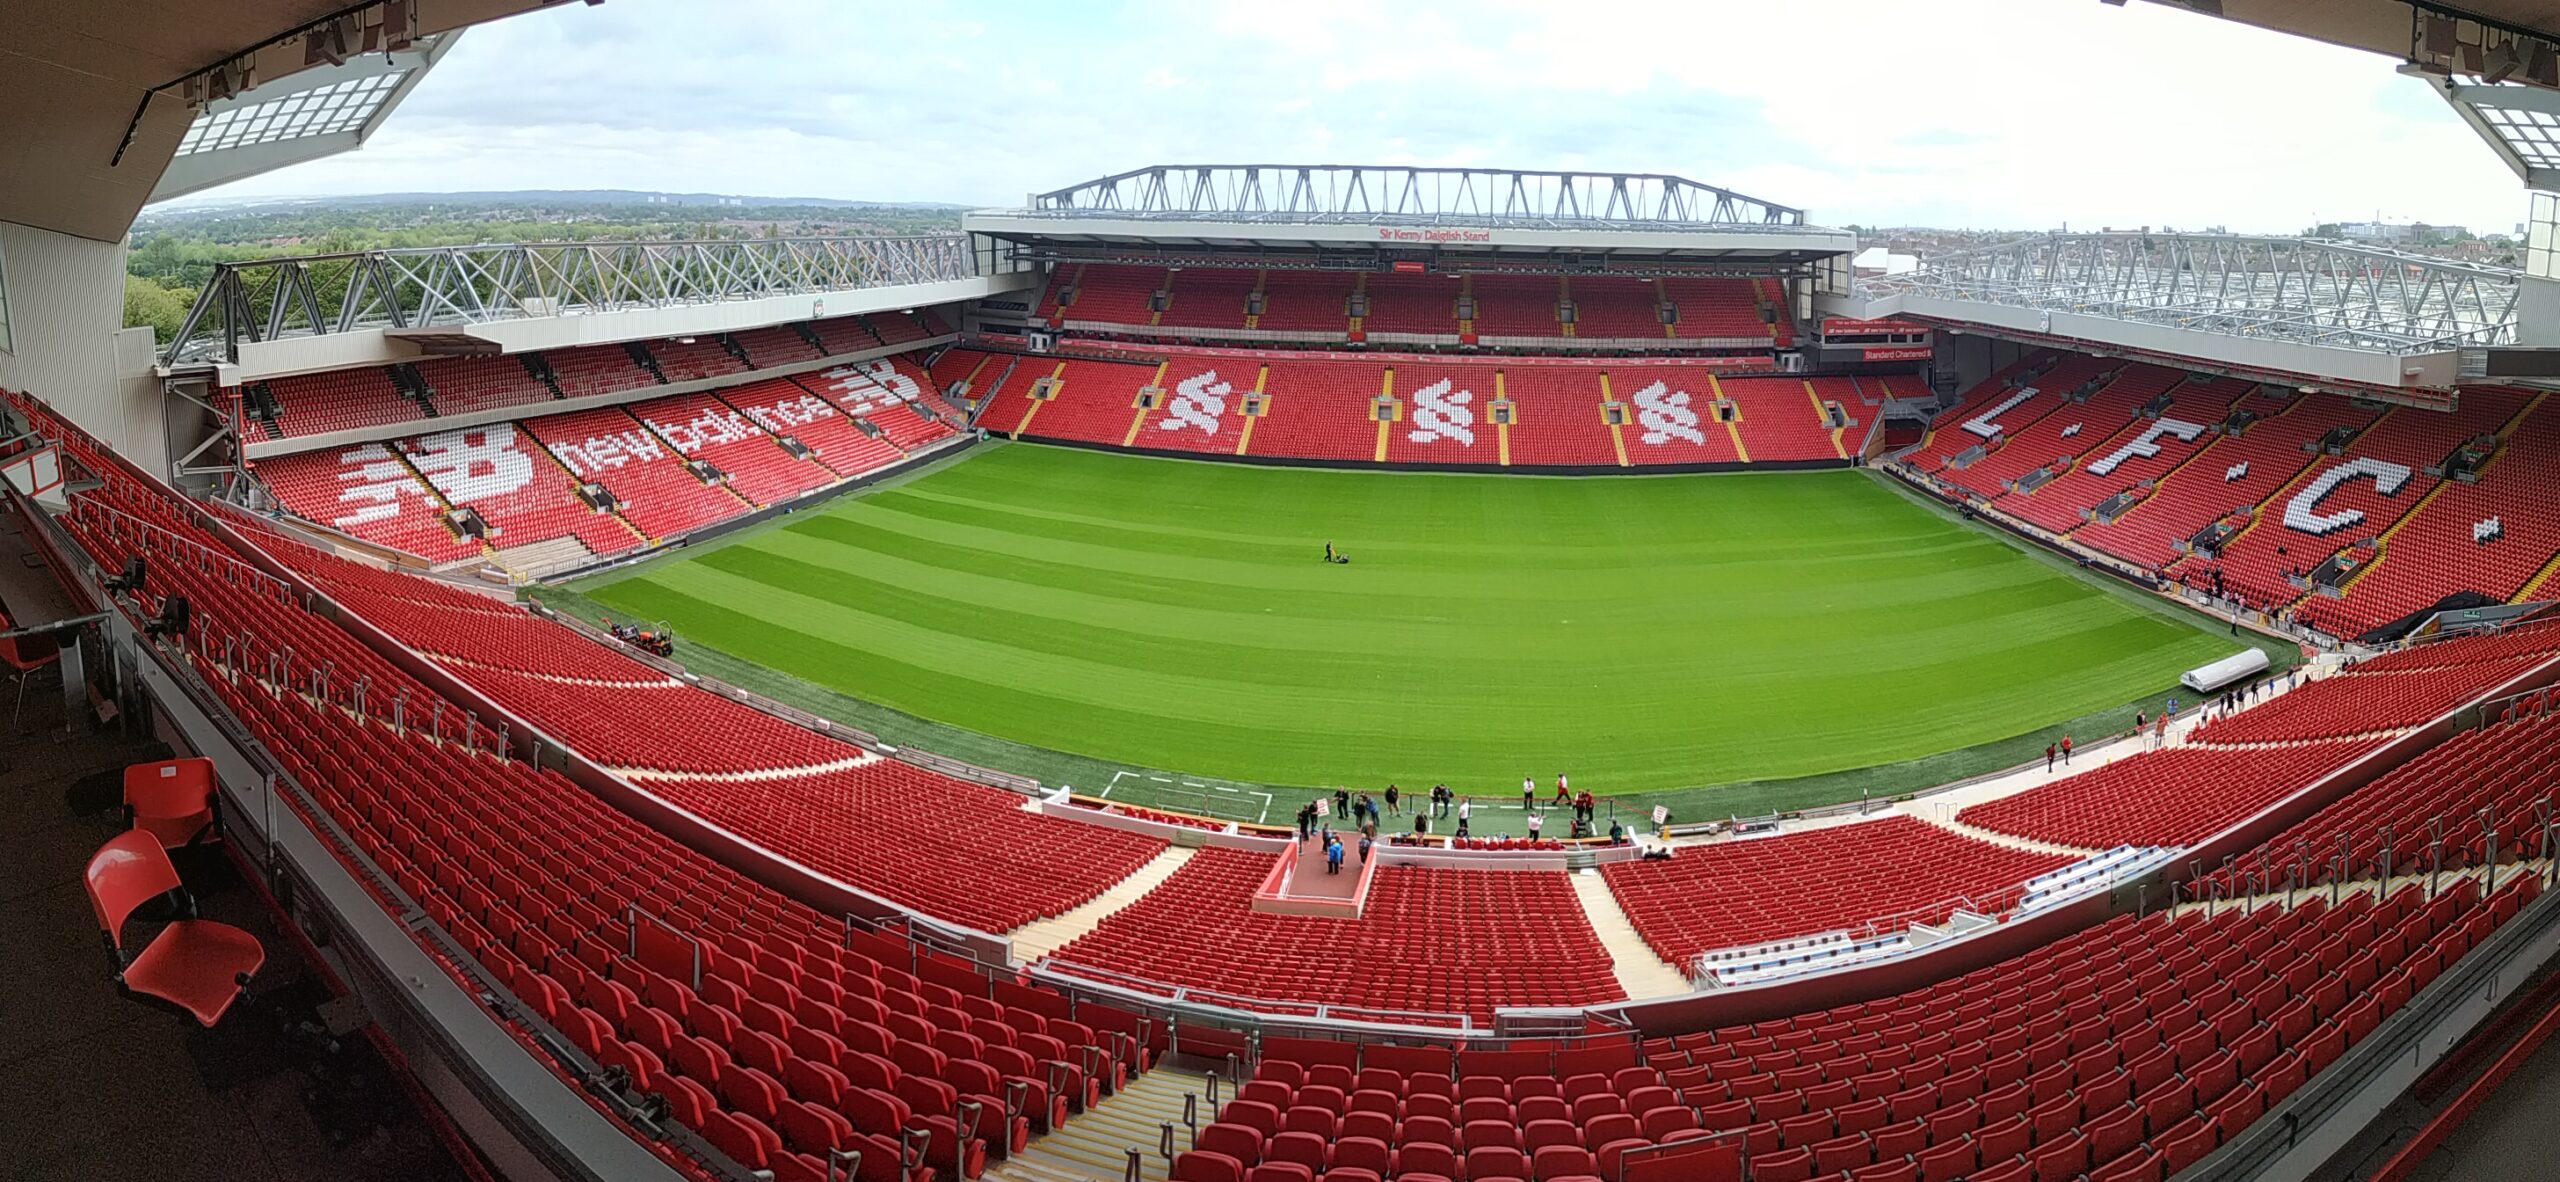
<point>366,492</point>
<point>705,428</point>
<point>900,328</point>
<point>1617,308</point>
<point>844,334</point>
<point>461,385</point>
<point>1428,940</point>
<point>1108,295</point>
<point>1516,305</point>
<point>1421,307</point>
<point>2174,797</point>
<point>1723,311</point>
<point>656,491</point>
<point>1314,302</point>
<point>1752,890</point>
<point>692,360</point>
<point>1209,297</point>
<point>597,369</point>
<point>780,344</point>
<point>342,400</point>
<point>2127,1051</point>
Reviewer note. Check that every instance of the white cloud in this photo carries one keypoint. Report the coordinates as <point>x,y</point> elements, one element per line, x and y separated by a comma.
<point>2013,113</point>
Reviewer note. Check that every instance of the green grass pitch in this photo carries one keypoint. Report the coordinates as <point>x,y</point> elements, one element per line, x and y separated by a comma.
<point>1641,633</point>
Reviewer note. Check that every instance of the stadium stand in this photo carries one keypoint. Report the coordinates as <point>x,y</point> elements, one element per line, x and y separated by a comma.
<point>1204,405</point>
<point>597,369</point>
<point>779,344</point>
<point>1319,410</point>
<point>1310,302</point>
<point>1753,890</point>
<point>1724,312</point>
<point>366,492</point>
<point>826,804</point>
<point>1428,939</point>
<point>787,408</point>
<point>2234,473</point>
<point>1522,307</point>
<point>2128,1050</point>
<point>341,400</point>
<point>1411,309</point>
<point>1618,308</point>
<point>1780,419</point>
<point>801,1035</point>
<point>2149,447</point>
<point>1672,416</point>
<point>702,427</point>
<point>1559,420</point>
<point>1209,297</point>
<point>691,359</point>
<point>656,491</point>
<point>2173,797</point>
<point>2363,703</point>
<point>2500,778</point>
<point>2293,534</point>
<point>2058,424</point>
<point>2493,536</point>
<point>462,385</point>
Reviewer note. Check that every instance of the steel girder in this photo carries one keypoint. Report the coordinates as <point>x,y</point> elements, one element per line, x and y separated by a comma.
<point>2300,290</point>
<point>422,287</point>
<point>1364,194</point>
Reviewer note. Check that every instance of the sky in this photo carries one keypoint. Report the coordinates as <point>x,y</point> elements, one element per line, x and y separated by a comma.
<point>1984,114</point>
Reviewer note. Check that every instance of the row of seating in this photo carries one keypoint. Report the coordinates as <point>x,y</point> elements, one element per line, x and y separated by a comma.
<point>1606,311</point>
<point>1428,940</point>
<point>1802,882</point>
<point>2172,797</point>
<point>340,400</point>
<point>2363,704</point>
<point>1441,411</point>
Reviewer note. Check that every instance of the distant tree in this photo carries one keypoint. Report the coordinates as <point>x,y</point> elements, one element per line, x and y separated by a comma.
<point>148,303</point>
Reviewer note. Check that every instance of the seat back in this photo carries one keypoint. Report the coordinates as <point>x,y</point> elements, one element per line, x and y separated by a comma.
<point>127,872</point>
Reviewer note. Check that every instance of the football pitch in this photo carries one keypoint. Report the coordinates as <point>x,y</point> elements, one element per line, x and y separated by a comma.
<point>1640,633</point>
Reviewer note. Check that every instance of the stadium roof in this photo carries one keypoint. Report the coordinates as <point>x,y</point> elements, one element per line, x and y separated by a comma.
<point>2496,61</point>
<point>2331,310</point>
<point>1484,211</point>
<point>100,96</point>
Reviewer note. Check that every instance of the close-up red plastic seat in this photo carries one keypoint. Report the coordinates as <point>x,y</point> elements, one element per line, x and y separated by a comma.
<point>198,965</point>
<point>172,800</point>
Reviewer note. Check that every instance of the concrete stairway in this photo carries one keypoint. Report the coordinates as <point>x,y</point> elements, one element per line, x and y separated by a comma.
<point>1640,972</point>
<point>1094,1147</point>
<point>1041,937</point>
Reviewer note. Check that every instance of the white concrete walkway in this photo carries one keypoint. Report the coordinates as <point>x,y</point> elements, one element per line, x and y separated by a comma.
<point>1641,973</point>
<point>1040,937</point>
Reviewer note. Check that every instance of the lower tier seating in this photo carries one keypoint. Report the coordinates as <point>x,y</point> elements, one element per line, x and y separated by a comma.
<point>366,492</point>
<point>2496,779</point>
<point>1428,940</point>
<point>2363,703</point>
<point>1753,890</point>
<point>2174,797</point>
<point>656,491</point>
